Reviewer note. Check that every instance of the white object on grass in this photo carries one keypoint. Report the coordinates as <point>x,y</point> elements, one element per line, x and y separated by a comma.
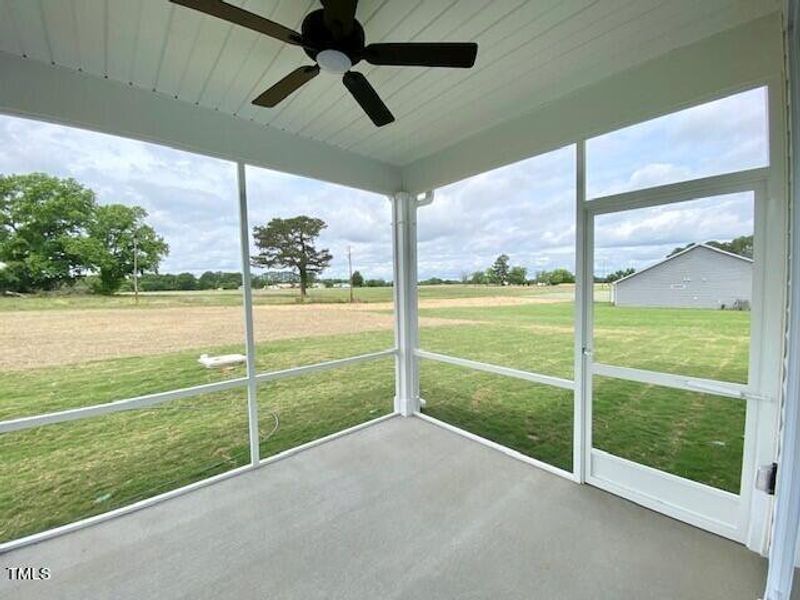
<point>224,360</point>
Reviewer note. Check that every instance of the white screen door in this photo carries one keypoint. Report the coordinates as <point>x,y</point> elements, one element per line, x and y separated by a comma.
<point>674,353</point>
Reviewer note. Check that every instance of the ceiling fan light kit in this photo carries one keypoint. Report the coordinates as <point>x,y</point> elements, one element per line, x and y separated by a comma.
<point>335,41</point>
<point>333,61</point>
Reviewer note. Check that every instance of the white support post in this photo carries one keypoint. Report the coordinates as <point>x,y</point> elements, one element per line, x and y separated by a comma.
<point>404,239</point>
<point>247,293</point>
<point>786,521</point>
<point>584,297</point>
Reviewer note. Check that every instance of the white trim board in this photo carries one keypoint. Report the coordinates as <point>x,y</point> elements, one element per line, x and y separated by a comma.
<point>324,366</point>
<point>515,454</point>
<point>700,505</point>
<point>107,408</point>
<point>61,95</point>
<point>681,191</point>
<point>497,370</point>
<point>699,385</point>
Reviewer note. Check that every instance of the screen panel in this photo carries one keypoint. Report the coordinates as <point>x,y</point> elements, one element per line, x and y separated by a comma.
<point>496,266</point>
<point>532,418</point>
<point>56,474</point>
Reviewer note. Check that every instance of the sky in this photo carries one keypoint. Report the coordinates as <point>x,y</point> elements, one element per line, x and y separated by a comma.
<point>525,210</point>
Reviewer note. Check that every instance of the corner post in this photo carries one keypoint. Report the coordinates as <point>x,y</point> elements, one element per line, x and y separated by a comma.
<point>247,296</point>
<point>786,516</point>
<point>404,242</point>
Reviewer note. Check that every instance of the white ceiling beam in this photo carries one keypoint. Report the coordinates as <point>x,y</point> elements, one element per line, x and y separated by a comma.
<point>64,96</point>
<point>741,57</point>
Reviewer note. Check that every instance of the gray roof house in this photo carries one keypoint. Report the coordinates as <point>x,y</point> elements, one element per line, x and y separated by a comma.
<point>699,277</point>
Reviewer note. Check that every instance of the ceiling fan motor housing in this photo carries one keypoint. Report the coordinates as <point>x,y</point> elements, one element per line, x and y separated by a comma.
<point>319,39</point>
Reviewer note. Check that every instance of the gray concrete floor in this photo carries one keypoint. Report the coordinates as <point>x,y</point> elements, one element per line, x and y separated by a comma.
<point>402,509</point>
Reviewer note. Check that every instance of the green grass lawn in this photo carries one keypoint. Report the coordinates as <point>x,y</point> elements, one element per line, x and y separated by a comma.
<point>693,435</point>
<point>56,474</point>
<point>539,337</point>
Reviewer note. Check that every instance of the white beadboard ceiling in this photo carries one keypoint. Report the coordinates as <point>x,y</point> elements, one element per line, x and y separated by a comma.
<point>531,52</point>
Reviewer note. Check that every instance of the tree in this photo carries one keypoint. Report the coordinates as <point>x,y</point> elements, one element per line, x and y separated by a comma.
<point>155,282</point>
<point>185,281</point>
<point>118,241</point>
<point>357,279</point>
<point>8,281</point>
<point>742,245</point>
<point>52,231</point>
<point>207,281</point>
<point>555,277</point>
<point>558,276</point>
<point>377,283</point>
<point>616,275</point>
<point>517,275</point>
<point>678,249</point>
<point>478,278</point>
<point>41,219</point>
<point>289,244</point>
<point>498,273</point>
<point>432,281</point>
<point>228,280</point>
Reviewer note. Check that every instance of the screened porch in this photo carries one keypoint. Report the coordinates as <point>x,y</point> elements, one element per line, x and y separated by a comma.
<point>460,423</point>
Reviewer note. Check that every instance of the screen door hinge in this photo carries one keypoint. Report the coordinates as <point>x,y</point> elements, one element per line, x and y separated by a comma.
<point>765,478</point>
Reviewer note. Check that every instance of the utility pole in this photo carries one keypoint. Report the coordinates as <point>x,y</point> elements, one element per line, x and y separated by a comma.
<point>135,270</point>
<point>350,269</point>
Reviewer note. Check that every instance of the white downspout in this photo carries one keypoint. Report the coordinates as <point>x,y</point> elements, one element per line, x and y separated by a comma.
<point>404,242</point>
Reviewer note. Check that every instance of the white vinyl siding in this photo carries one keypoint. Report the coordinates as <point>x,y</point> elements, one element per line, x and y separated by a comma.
<point>698,278</point>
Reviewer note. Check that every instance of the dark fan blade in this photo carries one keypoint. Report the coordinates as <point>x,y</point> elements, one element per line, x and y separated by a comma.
<point>368,98</point>
<point>286,86</point>
<point>445,54</point>
<point>234,14</point>
<point>339,16</point>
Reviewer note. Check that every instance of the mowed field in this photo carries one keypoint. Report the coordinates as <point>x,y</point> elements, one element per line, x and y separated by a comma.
<point>65,352</point>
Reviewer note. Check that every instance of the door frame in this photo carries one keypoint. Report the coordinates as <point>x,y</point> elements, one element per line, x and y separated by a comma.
<point>721,512</point>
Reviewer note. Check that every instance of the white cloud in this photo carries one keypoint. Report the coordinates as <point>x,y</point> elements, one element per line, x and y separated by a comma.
<point>641,237</point>
<point>525,210</point>
<point>655,174</point>
<point>722,136</point>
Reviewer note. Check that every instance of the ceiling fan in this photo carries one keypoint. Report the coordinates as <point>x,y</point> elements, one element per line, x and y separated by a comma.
<point>334,40</point>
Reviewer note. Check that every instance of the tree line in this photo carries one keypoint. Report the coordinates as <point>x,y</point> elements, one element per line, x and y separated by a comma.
<point>358,281</point>
<point>501,272</point>
<point>227,280</point>
<point>53,232</point>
